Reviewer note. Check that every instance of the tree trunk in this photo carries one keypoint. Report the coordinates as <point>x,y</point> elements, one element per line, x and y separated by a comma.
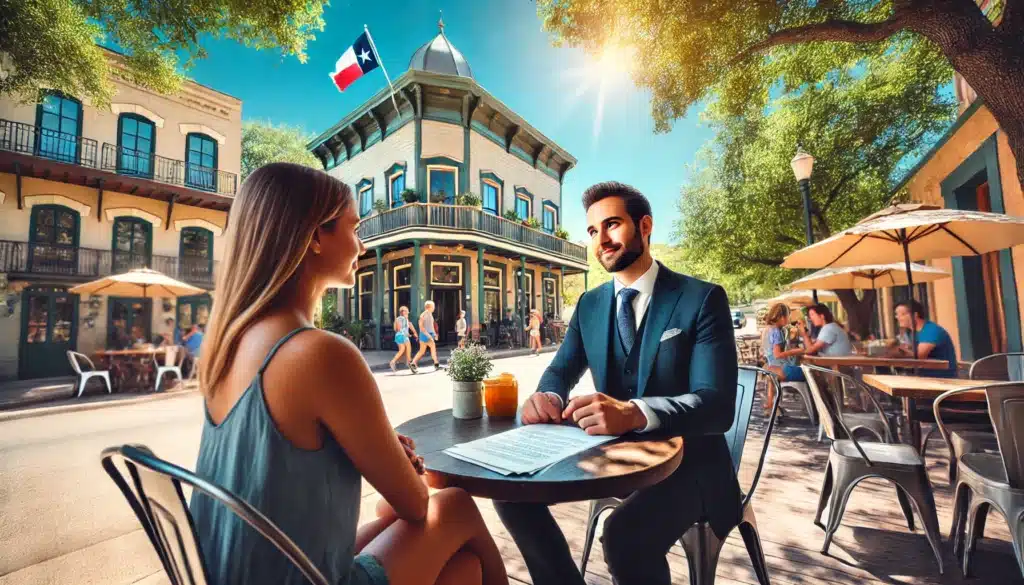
<point>858,310</point>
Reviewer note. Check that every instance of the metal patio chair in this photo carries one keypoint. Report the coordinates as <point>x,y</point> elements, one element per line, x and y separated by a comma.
<point>699,542</point>
<point>804,392</point>
<point>990,480</point>
<point>850,462</point>
<point>174,357</point>
<point>84,375</point>
<point>152,488</point>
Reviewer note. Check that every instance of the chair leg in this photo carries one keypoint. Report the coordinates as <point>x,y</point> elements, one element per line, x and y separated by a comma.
<point>976,515</point>
<point>588,543</point>
<point>826,491</point>
<point>821,431</point>
<point>920,492</point>
<point>908,512</point>
<point>81,385</point>
<point>812,414</point>
<point>702,549</point>
<point>106,380</point>
<point>1017,532</point>
<point>748,529</point>
<point>844,484</point>
<point>927,437</point>
<point>961,499</point>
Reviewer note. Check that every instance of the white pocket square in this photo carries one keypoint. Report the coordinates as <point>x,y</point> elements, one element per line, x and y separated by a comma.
<point>670,334</point>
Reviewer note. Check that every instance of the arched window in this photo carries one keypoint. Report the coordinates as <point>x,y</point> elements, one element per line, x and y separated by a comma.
<point>132,244</point>
<point>196,254</point>
<point>59,122</point>
<point>53,239</point>
<point>136,141</point>
<point>201,162</point>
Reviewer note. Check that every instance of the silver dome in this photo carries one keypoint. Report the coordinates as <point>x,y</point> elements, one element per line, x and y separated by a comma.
<point>440,56</point>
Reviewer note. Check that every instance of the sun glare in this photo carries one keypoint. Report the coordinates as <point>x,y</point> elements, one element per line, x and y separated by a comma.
<point>607,70</point>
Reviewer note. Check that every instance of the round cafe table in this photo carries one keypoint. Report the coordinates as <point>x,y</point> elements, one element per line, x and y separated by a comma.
<point>614,469</point>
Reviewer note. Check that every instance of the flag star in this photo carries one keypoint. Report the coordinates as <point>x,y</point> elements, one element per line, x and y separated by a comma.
<point>364,56</point>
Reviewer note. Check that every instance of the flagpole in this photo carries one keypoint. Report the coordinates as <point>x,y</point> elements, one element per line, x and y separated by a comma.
<point>380,61</point>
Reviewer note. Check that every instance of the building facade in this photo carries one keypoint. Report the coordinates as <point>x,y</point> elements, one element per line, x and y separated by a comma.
<point>972,168</point>
<point>409,167</point>
<point>86,192</point>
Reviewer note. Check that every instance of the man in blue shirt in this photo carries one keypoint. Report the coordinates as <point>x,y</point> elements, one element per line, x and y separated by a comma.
<point>194,341</point>
<point>933,342</point>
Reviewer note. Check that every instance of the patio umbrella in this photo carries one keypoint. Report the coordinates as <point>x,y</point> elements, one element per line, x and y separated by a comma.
<point>869,276</point>
<point>911,232</point>
<point>141,282</point>
<point>802,298</point>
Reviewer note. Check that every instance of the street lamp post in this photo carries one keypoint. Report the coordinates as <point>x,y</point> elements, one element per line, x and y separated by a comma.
<point>803,166</point>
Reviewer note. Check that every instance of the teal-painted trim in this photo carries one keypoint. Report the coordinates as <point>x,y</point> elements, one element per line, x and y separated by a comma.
<point>135,221</point>
<point>209,244</point>
<point>958,192</point>
<point>960,121</point>
<point>438,160</point>
<point>436,114</point>
<point>558,291</point>
<point>489,176</point>
<point>464,291</point>
<point>487,133</point>
<point>525,192</point>
<point>521,155</point>
<point>152,143</point>
<point>39,118</point>
<point>378,300</point>
<point>558,214</point>
<point>216,157</point>
<point>33,221</point>
<point>390,268</point>
<point>147,317</point>
<point>388,174</point>
<point>464,177</point>
<point>479,286</point>
<point>523,306</point>
<point>421,170</point>
<point>416,298</point>
<point>502,286</point>
<point>359,196</point>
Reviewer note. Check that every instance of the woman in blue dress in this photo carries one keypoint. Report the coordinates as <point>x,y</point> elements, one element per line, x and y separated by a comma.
<point>402,330</point>
<point>294,420</point>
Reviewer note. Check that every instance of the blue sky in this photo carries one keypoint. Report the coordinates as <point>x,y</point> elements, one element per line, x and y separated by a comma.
<point>511,56</point>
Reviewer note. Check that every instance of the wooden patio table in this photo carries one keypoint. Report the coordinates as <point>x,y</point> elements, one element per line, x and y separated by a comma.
<point>614,469</point>
<point>910,389</point>
<point>111,356</point>
<point>866,361</point>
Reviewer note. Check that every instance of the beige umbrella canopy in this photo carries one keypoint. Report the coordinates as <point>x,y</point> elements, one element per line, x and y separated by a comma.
<point>906,233</point>
<point>141,282</point>
<point>803,298</point>
<point>868,277</point>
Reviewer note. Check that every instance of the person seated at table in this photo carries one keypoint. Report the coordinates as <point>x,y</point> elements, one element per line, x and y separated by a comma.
<point>660,348</point>
<point>832,340</point>
<point>193,341</point>
<point>779,360</point>
<point>294,420</point>
<point>933,342</point>
<point>138,338</point>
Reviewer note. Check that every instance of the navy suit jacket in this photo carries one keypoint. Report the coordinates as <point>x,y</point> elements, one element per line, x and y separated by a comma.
<point>688,379</point>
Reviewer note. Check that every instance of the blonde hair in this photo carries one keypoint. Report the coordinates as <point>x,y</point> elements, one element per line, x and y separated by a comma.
<point>776,312</point>
<point>402,308</point>
<point>272,223</point>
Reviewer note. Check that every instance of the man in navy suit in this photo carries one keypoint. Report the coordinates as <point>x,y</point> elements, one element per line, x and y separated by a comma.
<point>660,348</point>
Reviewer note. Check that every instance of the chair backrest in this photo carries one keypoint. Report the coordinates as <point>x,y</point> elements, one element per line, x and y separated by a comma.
<point>826,386</point>
<point>174,355</point>
<point>154,494</point>
<point>1006,367</point>
<point>1006,407</point>
<point>746,388</point>
<point>77,359</point>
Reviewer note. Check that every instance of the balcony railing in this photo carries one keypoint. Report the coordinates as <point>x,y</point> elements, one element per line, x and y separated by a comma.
<point>72,149</point>
<point>90,263</point>
<point>467,219</point>
<point>137,163</point>
<point>51,144</point>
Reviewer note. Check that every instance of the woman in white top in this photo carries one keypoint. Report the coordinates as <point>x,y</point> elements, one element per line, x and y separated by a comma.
<point>534,328</point>
<point>460,328</point>
<point>402,329</point>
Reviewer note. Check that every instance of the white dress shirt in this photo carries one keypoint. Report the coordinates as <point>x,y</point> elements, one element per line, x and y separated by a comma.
<point>645,287</point>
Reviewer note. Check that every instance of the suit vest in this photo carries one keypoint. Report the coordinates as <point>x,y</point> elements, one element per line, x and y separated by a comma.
<point>623,377</point>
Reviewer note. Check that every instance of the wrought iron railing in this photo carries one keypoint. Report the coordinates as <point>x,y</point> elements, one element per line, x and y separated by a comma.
<point>463,218</point>
<point>46,143</point>
<point>88,263</point>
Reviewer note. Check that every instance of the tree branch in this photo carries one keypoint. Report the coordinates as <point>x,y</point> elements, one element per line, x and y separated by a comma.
<point>758,260</point>
<point>845,31</point>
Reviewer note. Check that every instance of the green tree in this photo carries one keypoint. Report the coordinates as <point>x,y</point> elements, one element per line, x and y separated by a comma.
<point>740,54</point>
<point>741,212</point>
<point>54,43</point>
<point>263,142</point>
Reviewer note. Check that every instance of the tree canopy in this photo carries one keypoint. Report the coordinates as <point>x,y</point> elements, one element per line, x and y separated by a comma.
<point>55,43</point>
<point>263,142</point>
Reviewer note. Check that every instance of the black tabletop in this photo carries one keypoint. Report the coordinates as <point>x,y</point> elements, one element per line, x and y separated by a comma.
<point>614,469</point>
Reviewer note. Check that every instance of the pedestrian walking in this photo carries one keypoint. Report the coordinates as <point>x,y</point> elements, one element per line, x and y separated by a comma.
<point>460,329</point>
<point>534,328</point>
<point>402,328</point>
<point>428,337</point>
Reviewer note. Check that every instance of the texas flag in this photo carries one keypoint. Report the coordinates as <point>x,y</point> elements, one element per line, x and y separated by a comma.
<point>360,58</point>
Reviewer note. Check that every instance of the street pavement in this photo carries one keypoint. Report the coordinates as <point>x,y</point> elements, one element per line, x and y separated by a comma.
<point>62,521</point>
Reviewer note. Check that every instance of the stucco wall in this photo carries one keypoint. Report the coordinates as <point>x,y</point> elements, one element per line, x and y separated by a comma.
<point>486,156</point>
<point>926,187</point>
<point>441,139</point>
<point>399,147</point>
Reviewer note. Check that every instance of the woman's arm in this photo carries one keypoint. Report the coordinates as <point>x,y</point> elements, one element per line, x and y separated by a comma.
<point>354,414</point>
<point>780,354</point>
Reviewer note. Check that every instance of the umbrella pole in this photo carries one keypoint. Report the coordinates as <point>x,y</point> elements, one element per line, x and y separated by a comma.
<point>910,289</point>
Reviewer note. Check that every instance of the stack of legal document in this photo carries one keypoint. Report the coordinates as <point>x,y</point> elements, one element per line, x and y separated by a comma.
<point>527,449</point>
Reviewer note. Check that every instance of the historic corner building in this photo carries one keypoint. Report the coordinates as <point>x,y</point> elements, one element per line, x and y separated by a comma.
<point>86,192</point>
<point>971,167</point>
<point>450,136</point>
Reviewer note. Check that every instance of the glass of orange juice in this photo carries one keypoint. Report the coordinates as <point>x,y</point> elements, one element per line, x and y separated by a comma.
<point>501,396</point>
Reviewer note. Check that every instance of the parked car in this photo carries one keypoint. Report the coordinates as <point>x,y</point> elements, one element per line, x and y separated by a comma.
<point>739,320</point>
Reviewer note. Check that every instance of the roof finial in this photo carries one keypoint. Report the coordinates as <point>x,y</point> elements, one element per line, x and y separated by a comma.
<point>440,21</point>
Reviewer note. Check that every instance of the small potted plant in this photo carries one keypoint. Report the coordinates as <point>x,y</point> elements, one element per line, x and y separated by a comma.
<point>532,222</point>
<point>560,232</point>
<point>467,367</point>
<point>468,199</point>
<point>410,196</point>
<point>511,215</point>
<point>380,206</point>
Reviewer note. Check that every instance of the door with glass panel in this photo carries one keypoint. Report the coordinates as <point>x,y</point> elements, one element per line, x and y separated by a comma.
<point>196,255</point>
<point>135,141</point>
<point>201,162</point>
<point>48,331</point>
<point>132,244</point>
<point>58,128</point>
<point>53,240</point>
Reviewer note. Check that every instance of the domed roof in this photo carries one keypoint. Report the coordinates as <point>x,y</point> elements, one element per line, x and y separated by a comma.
<point>440,56</point>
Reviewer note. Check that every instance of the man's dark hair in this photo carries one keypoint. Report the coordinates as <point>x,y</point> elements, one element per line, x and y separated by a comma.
<point>637,206</point>
<point>823,310</point>
<point>169,321</point>
<point>915,308</point>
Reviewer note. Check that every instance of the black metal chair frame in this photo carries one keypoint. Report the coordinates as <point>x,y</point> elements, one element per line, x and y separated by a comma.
<point>155,495</point>
<point>981,362</point>
<point>975,492</point>
<point>700,544</point>
<point>905,469</point>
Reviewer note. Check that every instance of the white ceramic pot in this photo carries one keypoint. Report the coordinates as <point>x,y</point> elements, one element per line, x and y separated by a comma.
<point>467,399</point>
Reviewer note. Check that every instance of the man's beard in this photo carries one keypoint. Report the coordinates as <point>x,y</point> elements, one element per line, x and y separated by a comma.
<point>625,257</point>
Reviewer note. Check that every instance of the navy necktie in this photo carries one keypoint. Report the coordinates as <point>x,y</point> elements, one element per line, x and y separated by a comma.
<point>625,318</point>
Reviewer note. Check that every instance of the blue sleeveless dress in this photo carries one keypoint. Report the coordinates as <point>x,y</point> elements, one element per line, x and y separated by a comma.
<point>311,495</point>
